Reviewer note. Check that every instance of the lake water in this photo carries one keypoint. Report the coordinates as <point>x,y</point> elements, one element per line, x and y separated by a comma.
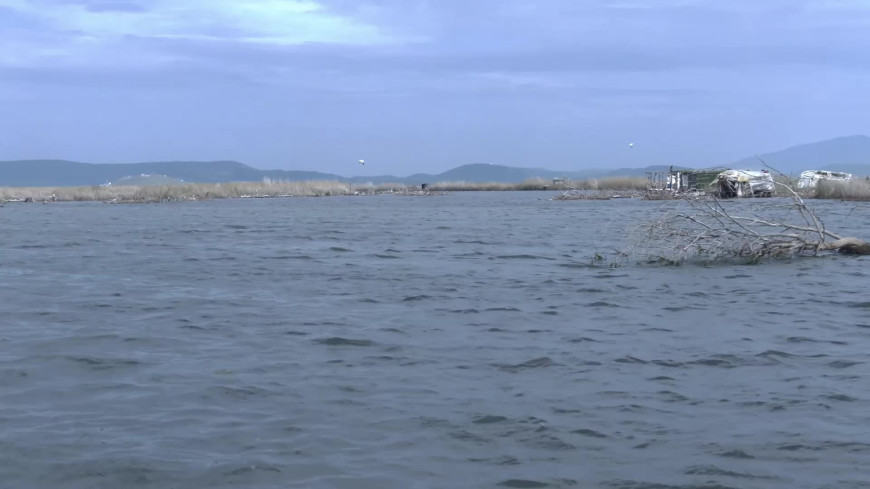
<point>458,341</point>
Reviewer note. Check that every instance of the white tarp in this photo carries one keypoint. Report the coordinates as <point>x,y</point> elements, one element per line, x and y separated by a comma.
<point>810,178</point>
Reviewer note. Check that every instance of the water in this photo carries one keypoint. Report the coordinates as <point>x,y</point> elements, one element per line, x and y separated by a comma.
<point>400,342</point>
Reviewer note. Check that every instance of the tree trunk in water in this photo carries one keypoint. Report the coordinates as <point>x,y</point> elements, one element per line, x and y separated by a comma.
<point>849,246</point>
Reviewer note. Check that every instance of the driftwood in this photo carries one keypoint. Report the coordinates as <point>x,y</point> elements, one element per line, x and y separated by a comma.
<point>849,246</point>
<point>703,228</point>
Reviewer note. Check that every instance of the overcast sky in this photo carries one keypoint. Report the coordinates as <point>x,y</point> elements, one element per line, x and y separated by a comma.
<point>427,85</point>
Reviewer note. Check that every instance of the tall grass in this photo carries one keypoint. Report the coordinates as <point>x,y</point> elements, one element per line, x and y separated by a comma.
<point>271,188</point>
<point>610,183</point>
<point>613,183</point>
<point>171,193</point>
<point>856,189</point>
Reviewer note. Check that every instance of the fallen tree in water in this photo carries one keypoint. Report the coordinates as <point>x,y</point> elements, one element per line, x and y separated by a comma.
<point>703,228</point>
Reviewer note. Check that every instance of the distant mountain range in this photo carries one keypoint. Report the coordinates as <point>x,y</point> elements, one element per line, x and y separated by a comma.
<point>850,154</point>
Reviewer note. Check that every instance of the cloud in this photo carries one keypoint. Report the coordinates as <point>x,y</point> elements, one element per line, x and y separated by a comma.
<point>489,71</point>
<point>275,22</point>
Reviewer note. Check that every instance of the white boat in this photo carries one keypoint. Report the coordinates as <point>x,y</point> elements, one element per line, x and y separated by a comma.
<point>810,178</point>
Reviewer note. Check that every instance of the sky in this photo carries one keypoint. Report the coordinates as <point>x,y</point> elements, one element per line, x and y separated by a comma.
<point>427,85</point>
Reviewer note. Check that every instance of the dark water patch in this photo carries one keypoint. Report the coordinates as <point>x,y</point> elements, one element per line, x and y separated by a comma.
<point>610,275</point>
<point>576,265</point>
<point>776,354</point>
<point>95,363</point>
<point>712,470</point>
<point>854,447</point>
<point>237,393</point>
<point>670,396</point>
<point>593,290</point>
<point>322,323</point>
<point>524,257</point>
<point>296,333</point>
<point>542,362</point>
<point>475,241</point>
<point>859,305</point>
<point>662,378</point>
<point>503,309</point>
<point>803,339</point>
<point>235,226</point>
<point>658,330</point>
<point>590,433</point>
<point>10,376</point>
<point>739,454</point>
<point>716,362</point>
<point>840,398</point>
<point>416,298</point>
<point>601,304</point>
<point>668,363</point>
<point>287,257</point>
<point>387,257</point>
<point>843,364</point>
<point>794,447</point>
<point>339,249</point>
<point>523,484</point>
<point>620,484</point>
<point>463,311</point>
<point>582,339</point>
<point>339,341</point>
<point>568,411</point>
<point>630,359</point>
<point>368,300</point>
<point>539,331</point>
<point>467,436</point>
<point>489,419</point>
<point>502,461</point>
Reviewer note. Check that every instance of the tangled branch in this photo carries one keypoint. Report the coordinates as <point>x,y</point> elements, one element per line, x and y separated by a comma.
<point>701,227</point>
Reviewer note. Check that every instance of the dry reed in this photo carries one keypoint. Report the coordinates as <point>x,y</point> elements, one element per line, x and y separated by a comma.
<point>856,189</point>
<point>172,193</point>
<point>271,188</point>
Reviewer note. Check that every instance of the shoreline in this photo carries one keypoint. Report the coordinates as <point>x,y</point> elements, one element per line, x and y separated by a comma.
<point>270,189</point>
<point>603,189</point>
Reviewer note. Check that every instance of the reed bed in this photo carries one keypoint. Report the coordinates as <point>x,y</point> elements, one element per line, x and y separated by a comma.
<point>172,193</point>
<point>855,189</point>
<point>611,183</point>
<point>272,188</point>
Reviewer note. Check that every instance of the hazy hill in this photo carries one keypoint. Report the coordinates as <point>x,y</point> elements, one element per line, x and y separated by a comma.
<point>60,173</point>
<point>850,154</point>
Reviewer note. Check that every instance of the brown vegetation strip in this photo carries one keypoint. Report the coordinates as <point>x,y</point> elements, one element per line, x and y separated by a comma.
<point>202,191</point>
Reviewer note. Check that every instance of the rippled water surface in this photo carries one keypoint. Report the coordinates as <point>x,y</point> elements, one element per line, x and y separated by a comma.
<point>456,341</point>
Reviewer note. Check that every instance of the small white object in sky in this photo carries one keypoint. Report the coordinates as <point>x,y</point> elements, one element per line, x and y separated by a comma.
<point>630,145</point>
<point>362,162</point>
